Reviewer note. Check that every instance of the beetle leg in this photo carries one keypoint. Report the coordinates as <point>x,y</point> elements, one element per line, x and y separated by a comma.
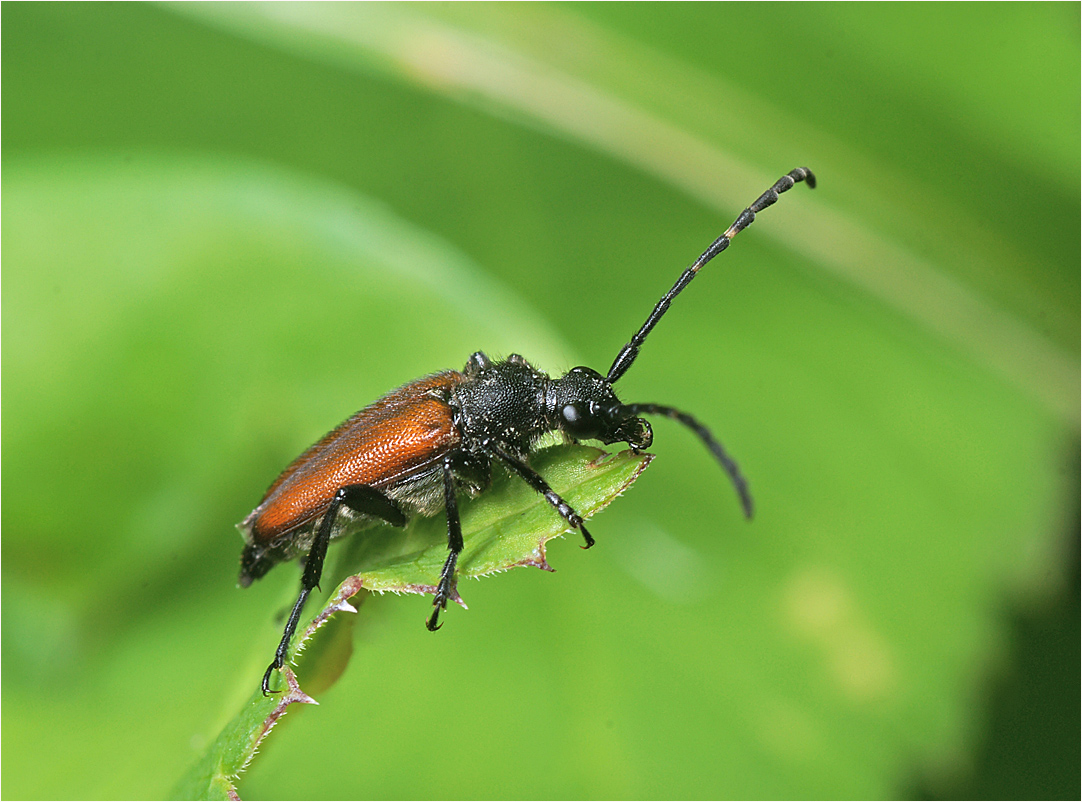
<point>535,480</point>
<point>360,498</point>
<point>454,546</point>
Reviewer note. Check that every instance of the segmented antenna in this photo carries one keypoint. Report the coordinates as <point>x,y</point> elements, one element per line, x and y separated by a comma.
<point>631,350</point>
<point>728,464</point>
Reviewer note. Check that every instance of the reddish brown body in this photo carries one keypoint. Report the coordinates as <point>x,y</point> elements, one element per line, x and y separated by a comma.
<point>395,443</point>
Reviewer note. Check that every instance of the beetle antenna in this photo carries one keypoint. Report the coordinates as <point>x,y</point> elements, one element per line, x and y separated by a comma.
<point>631,350</point>
<point>727,462</point>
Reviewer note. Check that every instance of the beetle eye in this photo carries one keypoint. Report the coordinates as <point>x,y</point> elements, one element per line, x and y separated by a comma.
<point>572,414</point>
<point>580,422</point>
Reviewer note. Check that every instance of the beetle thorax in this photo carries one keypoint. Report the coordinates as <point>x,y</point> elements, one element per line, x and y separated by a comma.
<point>501,402</point>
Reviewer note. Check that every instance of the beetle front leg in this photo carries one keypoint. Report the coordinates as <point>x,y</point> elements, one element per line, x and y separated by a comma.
<point>454,545</point>
<point>538,483</point>
<point>359,498</point>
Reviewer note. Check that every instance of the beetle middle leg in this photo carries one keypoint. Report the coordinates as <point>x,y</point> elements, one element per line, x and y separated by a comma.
<point>359,498</point>
<point>454,545</point>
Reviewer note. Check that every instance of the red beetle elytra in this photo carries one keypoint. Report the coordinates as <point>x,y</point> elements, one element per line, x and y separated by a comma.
<point>416,449</point>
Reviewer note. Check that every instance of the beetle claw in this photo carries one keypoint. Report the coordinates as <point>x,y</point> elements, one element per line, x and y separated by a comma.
<point>266,679</point>
<point>433,620</point>
<point>439,603</point>
<point>586,536</point>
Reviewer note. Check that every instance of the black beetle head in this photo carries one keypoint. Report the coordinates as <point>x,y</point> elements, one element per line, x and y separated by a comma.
<point>586,408</point>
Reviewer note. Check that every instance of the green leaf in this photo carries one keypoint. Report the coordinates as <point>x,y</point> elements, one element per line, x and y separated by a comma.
<point>506,527</point>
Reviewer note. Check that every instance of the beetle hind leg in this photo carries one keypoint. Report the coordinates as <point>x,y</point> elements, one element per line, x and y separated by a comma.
<point>359,498</point>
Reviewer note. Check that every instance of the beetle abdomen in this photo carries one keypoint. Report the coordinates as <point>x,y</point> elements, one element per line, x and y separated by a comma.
<point>401,435</point>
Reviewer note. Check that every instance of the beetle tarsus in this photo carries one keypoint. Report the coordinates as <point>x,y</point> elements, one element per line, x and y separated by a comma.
<point>275,666</point>
<point>586,536</point>
<point>443,591</point>
<point>282,652</point>
<point>433,620</point>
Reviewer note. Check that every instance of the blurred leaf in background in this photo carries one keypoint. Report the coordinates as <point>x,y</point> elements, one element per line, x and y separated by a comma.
<point>227,227</point>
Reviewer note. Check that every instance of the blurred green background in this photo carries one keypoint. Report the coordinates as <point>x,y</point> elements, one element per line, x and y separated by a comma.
<point>226,228</point>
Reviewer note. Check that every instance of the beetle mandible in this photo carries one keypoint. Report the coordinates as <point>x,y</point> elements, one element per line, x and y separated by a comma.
<point>415,450</point>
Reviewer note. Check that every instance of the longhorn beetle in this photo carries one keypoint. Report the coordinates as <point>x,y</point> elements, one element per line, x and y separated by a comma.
<point>415,450</point>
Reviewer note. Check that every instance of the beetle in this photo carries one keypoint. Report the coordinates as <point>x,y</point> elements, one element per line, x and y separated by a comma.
<point>417,448</point>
